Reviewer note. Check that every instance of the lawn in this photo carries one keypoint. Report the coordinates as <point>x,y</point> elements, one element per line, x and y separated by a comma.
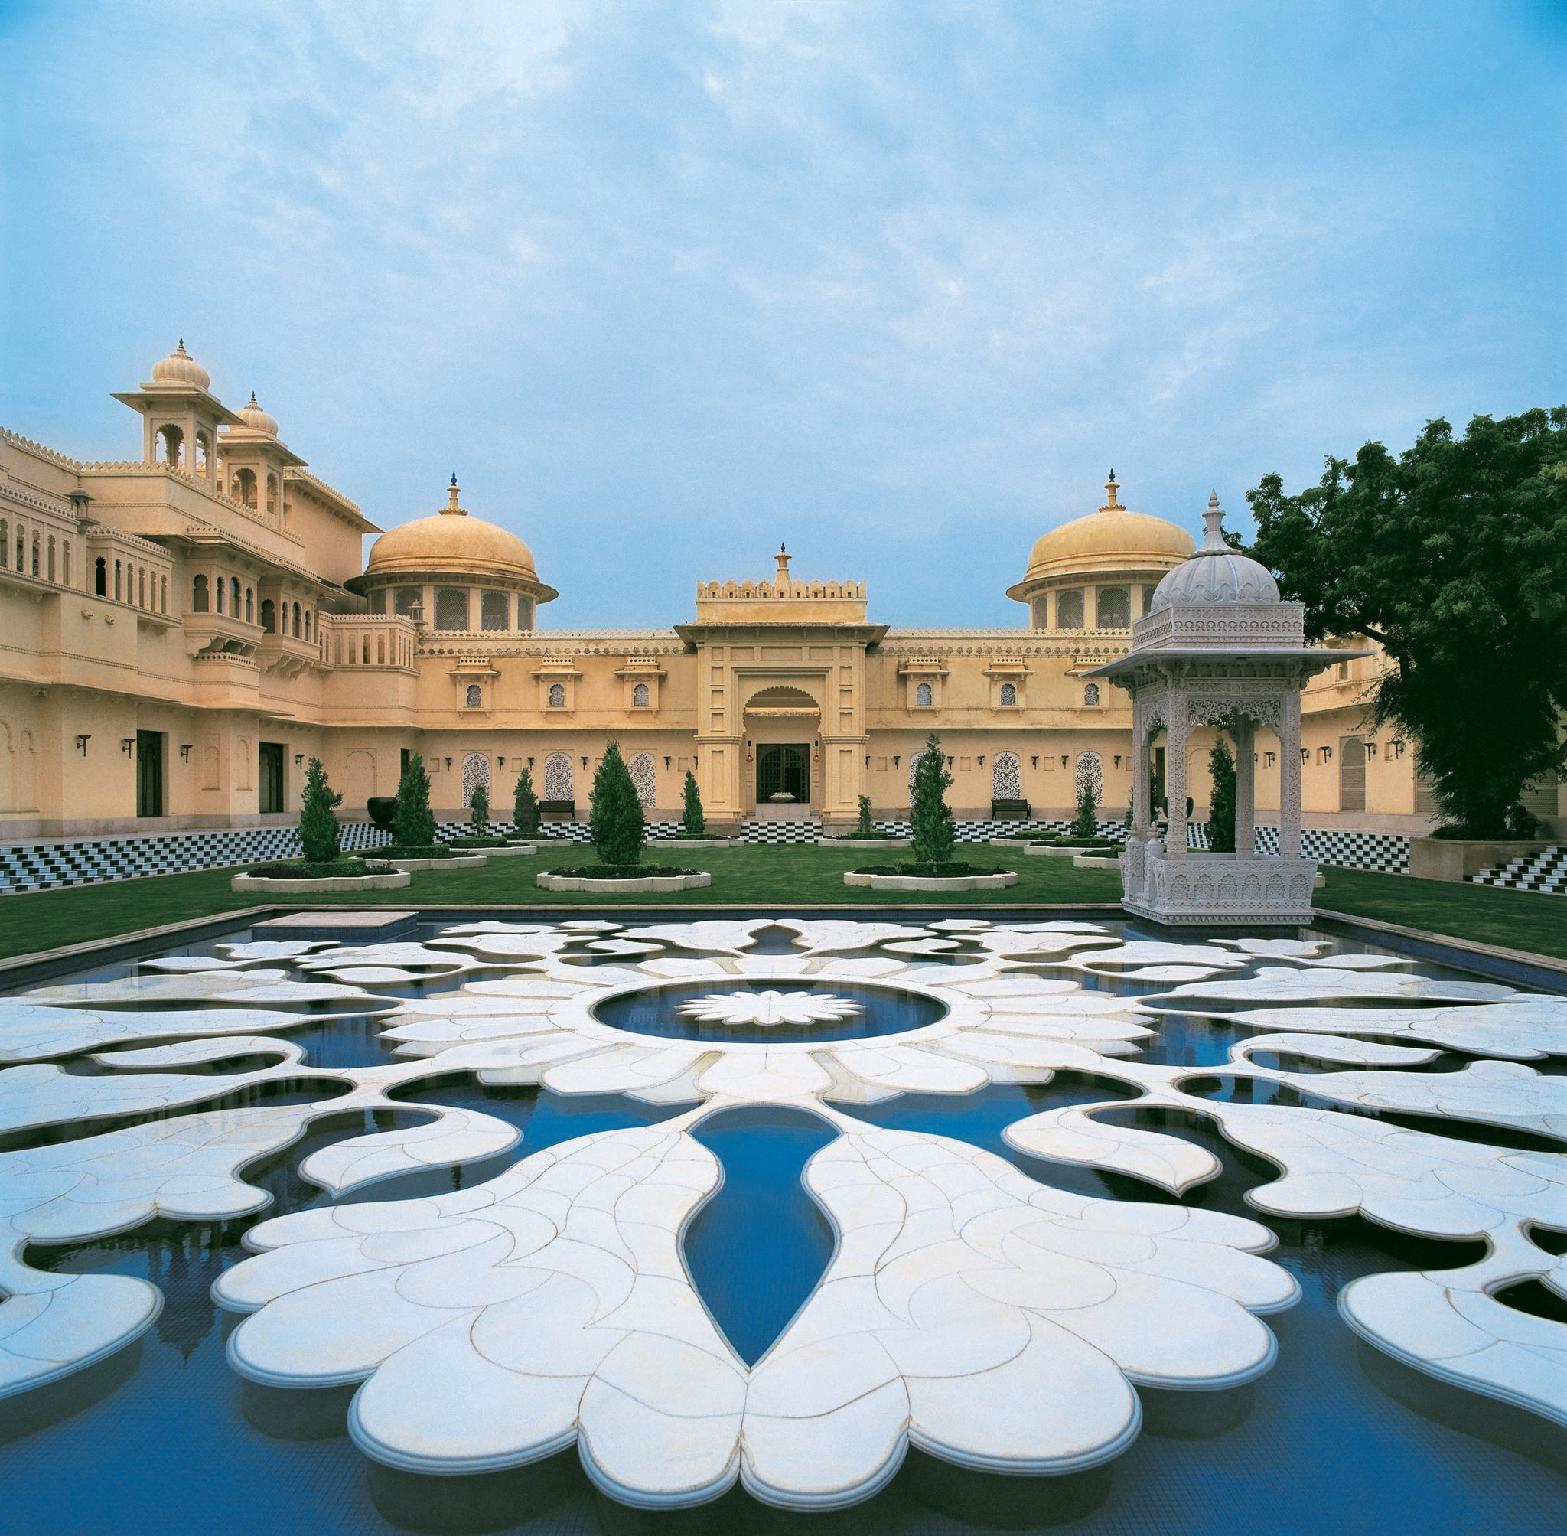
<point>763,876</point>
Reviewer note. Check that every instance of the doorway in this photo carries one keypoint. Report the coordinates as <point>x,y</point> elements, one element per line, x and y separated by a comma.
<point>783,769</point>
<point>270,775</point>
<point>149,773</point>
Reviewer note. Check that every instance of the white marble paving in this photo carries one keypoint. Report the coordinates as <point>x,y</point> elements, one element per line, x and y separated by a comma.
<point>968,1310</point>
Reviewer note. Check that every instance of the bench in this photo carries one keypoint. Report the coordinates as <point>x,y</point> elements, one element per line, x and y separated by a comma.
<point>1009,810</point>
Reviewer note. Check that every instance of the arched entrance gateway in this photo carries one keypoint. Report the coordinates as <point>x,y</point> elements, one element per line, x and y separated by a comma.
<point>783,725</point>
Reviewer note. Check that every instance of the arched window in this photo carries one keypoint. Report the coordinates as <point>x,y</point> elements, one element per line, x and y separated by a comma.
<point>171,446</point>
<point>1090,694</point>
<point>640,696</point>
<point>250,605</point>
<point>100,576</point>
<point>524,613</point>
<point>203,450</point>
<point>272,495</point>
<point>557,777</point>
<point>65,550</point>
<point>220,590</point>
<point>1113,610</point>
<point>141,587</point>
<point>1006,777</point>
<point>21,549</point>
<point>924,696</point>
<point>37,556</point>
<point>244,487</point>
<point>308,612</point>
<point>1089,774</point>
<point>475,772</point>
<point>408,598</point>
<point>234,595</point>
<point>296,621</point>
<point>494,610</point>
<point>1009,695</point>
<point>268,614</point>
<point>557,695</point>
<point>51,557</point>
<point>451,608</point>
<point>1069,609</point>
<point>119,590</point>
<point>644,777</point>
<point>198,594</point>
<point>163,586</point>
<point>472,698</point>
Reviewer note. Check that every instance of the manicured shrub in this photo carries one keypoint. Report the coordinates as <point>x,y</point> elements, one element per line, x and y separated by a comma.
<point>479,810</point>
<point>414,826</point>
<point>1221,810</point>
<point>1086,822</point>
<point>692,819</point>
<point>615,820</point>
<point>932,817</point>
<point>318,830</point>
<point>383,811</point>
<point>525,805</point>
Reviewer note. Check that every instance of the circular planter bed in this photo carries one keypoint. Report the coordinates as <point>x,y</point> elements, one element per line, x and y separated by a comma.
<point>437,861</point>
<point>492,847</point>
<point>633,883</point>
<point>302,879</point>
<point>865,842</point>
<point>1072,850</point>
<point>1095,861</point>
<point>696,842</point>
<point>907,878</point>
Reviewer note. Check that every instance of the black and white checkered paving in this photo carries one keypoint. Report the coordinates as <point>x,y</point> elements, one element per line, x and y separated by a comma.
<point>53,866</point>
<point>1543,871</point>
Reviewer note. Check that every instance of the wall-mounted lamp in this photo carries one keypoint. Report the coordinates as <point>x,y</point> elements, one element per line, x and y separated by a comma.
<point>1371,749</point>
<point>1327,754</point>
<point>127,744</point>
<point>500,762</point>
<point>1063,759</point>
<point>981,760</point>
<point>1033,762</point>
<point>867,759</point>
<point>584,762</point>
<point>1398,747</point>
<point>1269,759</point>
<point>896,759</point>
<point>184,751</point>
<point>299,759</point>
<point>530,762</point>
<point>666,762</point>
<point>1305,756</point>
<point>1117,759</point>
<point>81,742</point>
<point>448,762</point>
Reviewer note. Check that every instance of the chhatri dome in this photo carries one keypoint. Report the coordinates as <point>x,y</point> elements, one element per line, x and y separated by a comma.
<point>1113,538</point>
<point>257,419</point>
<point>1215,574</point>
<point>179,367</point>
<point>452,543</point>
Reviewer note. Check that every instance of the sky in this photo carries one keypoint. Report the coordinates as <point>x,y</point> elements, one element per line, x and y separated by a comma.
<point>893,282</point>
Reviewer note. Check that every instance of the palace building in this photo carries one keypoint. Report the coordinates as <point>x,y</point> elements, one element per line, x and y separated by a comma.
<point>180,632</point>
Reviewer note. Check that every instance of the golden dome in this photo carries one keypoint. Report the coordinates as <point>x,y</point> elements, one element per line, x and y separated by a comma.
<point>451,542</point>
<point>1112,539</point>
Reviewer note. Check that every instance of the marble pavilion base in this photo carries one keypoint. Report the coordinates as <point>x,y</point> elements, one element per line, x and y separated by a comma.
<point>1206,888</point>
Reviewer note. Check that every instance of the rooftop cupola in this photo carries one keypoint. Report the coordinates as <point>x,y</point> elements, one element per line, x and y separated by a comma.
<point>180,415</point>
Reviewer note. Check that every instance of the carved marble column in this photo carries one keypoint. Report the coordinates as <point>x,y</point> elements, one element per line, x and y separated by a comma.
<point>1141,768</point>
<point>1177,733</point>
<point>1289,772</point>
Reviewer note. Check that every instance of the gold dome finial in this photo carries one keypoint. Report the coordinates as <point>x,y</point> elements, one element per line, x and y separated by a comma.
<point>782,557</point>
<point>452,504</point>
<point>1112,491</point>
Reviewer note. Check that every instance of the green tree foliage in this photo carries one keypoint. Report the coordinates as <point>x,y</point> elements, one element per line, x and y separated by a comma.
<point>614,812</point>
<point>1086,822</point>
<point>1221,806</point>
<point>692,819</point>
<point>865,827</point>
<point>479,810</point>
<point>525,805</point>
<point>1453,557</point>
<point>414,826</point>
<point>318,829</point>
<point>931,815</point>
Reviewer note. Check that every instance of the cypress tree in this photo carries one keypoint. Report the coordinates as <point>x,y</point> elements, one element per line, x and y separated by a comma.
<point>614,812</point>
<point>865,828</point>
<point>414,826</point>
<point>318,830</point>
<point>479,810</point>
<point>1221,811</point>
<point>525,805</point>
<point>692,818</point>
<point>932,818</point>
<point>1086,822</point>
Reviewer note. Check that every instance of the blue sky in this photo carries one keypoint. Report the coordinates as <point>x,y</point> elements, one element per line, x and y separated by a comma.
<point>894,282</point>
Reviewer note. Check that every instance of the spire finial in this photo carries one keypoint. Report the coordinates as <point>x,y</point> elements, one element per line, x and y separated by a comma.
<point>1213,527</point>
<point>452,504</point>
<point>1112,491</point>
<point>179,351</point>
<point>252,397</point>
<point>782,557</point>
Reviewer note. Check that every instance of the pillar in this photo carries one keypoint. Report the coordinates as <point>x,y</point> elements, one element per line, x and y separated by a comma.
<point>1142,770</point>
<point>1177,732</point>
<point>1289,773</point>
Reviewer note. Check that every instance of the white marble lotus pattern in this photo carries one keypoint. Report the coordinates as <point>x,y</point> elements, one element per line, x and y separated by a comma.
<point>967,1309</point>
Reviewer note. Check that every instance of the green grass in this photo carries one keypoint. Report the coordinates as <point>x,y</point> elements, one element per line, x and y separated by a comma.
<point>760,876</point>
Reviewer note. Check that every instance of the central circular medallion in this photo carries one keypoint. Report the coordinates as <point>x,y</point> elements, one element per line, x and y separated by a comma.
<point>769,1011</point>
